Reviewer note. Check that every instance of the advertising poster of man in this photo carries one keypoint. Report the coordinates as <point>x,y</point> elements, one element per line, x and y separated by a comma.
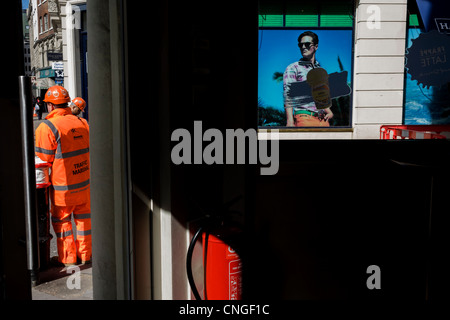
<point>304,78</point>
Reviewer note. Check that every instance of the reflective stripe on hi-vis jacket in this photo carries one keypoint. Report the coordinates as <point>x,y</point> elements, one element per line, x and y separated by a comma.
<point>63,140</point>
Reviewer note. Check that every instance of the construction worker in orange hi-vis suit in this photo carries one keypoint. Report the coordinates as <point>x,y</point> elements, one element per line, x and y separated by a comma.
<point>77,105</point>
<point>63,140</point>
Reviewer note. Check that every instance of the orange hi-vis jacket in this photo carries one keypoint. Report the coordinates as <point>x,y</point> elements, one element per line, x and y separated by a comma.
<point>63,140</point>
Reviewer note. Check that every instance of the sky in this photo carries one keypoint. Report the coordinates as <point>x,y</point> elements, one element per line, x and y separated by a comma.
<point>25,4</point>
<point>278,49</point>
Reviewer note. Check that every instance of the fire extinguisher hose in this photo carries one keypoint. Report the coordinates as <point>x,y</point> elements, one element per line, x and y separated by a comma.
<point>189,264</point>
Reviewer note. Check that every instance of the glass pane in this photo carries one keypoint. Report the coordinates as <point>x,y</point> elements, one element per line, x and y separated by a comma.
<point>413,20</point>
<point>271,20</point>
<point>271,14</point>
<point>334,14</point>
<point>305,15</point>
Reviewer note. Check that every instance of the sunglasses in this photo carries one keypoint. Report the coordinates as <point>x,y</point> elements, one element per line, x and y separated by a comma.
<point>307,45</point>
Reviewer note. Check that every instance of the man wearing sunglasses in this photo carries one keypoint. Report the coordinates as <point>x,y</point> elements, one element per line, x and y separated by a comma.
<point>299,113</point>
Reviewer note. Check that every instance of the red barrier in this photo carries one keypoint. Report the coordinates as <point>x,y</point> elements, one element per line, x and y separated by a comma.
<point>388,132</point>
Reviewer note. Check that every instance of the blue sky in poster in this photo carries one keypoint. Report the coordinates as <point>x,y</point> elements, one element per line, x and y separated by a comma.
<point>426,106</point>
<point>278,48</point>
<point>416,101</point>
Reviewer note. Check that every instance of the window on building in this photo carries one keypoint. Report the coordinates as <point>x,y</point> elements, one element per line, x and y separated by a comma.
<point>426,101</point>
<point>41,27</point>
<point>283,91</point>
<point>45,22</point>
<point>305,14</point>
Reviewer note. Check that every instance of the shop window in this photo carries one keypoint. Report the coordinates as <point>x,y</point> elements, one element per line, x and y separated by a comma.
<point>426,102</point>
<point>280,58</point>
<point>336,14</point>
<point>306,14</point>
<point>271,14</point>
<point>298,15</point>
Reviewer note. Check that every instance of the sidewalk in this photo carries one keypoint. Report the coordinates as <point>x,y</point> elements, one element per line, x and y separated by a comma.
<point>64,284</point>
<point>55,282</point>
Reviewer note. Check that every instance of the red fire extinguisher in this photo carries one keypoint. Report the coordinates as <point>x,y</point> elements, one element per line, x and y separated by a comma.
<point>221,261</point>
<point>223,266</point>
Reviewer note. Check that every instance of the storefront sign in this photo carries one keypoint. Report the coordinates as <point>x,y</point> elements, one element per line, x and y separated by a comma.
<point>433,12</point>
<point>47,73</point>
<point>54,56</point>
<point>443,25</point>
<point>59,74</point>
<point>59,65</point>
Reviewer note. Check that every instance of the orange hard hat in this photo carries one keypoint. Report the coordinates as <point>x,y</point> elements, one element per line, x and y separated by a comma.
<point>79,102</point>
<point>57,95</point>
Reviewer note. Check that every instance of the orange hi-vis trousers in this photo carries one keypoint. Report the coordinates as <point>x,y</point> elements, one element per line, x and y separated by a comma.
<point>68,249</point>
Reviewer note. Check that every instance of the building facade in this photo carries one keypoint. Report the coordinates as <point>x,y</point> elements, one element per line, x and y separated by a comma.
<point>56,28</point>
<point>26,43</point>
<point>45,42</point>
